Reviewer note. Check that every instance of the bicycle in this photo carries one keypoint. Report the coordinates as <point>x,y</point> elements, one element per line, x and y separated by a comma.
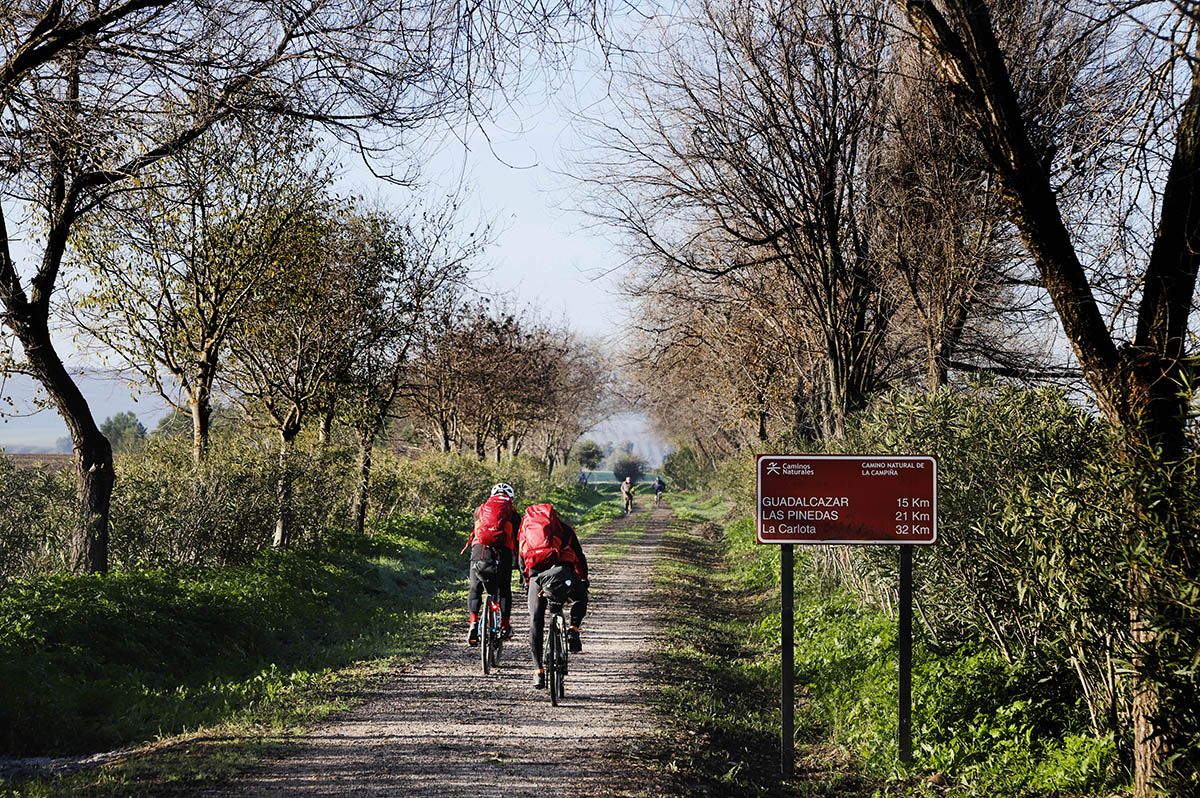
<point>555,653</point>
<point>658,498</point>
<point>491,639</point>
<point>628,503</point>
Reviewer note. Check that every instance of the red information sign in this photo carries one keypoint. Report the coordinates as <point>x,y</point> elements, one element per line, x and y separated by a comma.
<point>813,498</point>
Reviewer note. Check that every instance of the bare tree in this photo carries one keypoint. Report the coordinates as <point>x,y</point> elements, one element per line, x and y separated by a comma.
<point>416,263</point>
<point>945,246</point>
<point>723,362</point>
<point>286,350</point>
<point>1135,356</point>
<point>575,383</point>
<point>493,379</point>
<point>760,126</point>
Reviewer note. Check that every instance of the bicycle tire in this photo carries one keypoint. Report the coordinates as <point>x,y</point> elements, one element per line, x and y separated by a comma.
<point>485,638</point>
<point>552,664</point>
<point>497,640</point>
<point>563,659</point>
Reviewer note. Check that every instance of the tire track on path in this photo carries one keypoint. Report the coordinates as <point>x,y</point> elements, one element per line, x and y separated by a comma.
<point>442,729</point>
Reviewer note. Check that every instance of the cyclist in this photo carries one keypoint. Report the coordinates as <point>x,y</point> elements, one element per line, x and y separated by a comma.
<point>659,487</point>
<point>627,494</point>
<point>493,543</point>
<point>550,549</point>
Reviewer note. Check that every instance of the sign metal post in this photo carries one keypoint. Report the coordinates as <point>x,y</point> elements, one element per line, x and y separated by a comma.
<point>905,654</point>
<point>788,688</point>
<point>846,499</point>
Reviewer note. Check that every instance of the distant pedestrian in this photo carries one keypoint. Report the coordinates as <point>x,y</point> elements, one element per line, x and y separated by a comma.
<point>627,494</point>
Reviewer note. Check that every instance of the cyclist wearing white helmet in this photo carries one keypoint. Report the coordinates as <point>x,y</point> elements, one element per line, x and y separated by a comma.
<point>493,542</point>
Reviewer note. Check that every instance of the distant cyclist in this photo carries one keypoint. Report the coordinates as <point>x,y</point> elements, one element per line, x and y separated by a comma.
<point>493,543</point>
<point>659,487</point>
<point>553,562</point>
<point>627,494</point>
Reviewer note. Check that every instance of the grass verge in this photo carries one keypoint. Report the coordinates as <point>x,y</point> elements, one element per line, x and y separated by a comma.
<point>718,705</point>
<point>203,671</point>
<point>982,727</point>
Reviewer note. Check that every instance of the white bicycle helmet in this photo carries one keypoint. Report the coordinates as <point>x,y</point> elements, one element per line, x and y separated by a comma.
<point>503,488</point>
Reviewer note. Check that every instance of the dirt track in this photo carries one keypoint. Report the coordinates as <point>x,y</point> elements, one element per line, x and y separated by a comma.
<point>443,729</point>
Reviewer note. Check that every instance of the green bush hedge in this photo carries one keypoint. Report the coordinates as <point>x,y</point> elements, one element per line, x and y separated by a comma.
<point>167,513</point>
<point>992,728</point>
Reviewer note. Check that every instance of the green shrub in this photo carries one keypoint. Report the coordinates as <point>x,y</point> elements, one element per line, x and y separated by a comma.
<point>686,471</point>
<point>1023,632</point>
<point>1030,551</point>
<point>449,481</point>
<point>166,512</point>
<point>628,467</point>
<point>37,511</point>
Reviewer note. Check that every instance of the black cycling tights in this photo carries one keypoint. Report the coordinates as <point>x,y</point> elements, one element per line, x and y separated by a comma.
<point>537,617</point>
<point>475,594</point>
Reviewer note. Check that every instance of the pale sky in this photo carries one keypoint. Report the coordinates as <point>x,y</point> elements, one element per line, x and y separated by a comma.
<point>542,253</point>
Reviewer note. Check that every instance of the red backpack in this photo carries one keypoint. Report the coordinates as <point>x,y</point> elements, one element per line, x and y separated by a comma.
<point>493,522</point>
<point>542,537</point>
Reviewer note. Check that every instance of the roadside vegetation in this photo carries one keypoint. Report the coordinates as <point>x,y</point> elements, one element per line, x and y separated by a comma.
<point>202,665</point>
<point>1017,681</point>
<point>720,671</point>
<point>843,215</point>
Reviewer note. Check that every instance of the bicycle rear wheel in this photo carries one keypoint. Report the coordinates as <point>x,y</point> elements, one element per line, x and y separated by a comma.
<point>497,640</point>
<point>485,638</point>
<point>562,659</point>
<point>551,664</point>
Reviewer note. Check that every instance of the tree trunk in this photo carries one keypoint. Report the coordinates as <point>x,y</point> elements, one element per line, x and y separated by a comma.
<point>28,317</point>
<point>1149,747</point>
<point>200,403</point>
<point>802,426</point>
<point>283,490</point>
<point>936,361</point>
<point>365,443</point>
<point>325,431</point>
<point>201,421</point>
<point>944,343</point>
<point>94,477</point>
<point>444,435</point>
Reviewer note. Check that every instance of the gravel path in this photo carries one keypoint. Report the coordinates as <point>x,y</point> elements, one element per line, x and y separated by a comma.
<point>443,729</point>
